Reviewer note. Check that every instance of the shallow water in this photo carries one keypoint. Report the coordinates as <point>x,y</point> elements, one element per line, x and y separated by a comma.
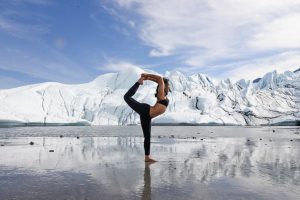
<point>194,163</point>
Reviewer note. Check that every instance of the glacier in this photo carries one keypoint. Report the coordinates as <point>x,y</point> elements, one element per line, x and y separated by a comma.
<point>195,100</point>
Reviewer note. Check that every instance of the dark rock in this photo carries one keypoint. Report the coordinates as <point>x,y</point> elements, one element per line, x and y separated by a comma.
<point>51,150</point>
<point>297,70</point>
<point>256,80</point>
<point>31,143</point>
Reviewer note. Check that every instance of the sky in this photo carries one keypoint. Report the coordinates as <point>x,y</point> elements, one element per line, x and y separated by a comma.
<point>74,41</point>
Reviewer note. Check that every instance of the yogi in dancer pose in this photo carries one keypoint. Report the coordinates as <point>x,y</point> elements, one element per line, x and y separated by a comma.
<point>146,111</point>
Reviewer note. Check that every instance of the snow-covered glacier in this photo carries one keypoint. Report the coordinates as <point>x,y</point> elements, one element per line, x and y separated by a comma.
<point>195,99</point>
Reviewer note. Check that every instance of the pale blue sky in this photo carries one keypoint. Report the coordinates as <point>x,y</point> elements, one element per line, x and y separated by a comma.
<point>74,41</point>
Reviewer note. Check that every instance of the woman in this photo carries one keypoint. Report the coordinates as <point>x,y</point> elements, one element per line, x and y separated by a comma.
<point>146,111</point>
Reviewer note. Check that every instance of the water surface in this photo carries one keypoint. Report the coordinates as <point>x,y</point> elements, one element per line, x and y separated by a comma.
<point>107,163</point>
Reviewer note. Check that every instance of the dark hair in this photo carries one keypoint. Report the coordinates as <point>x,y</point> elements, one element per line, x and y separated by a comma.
<point>167,87</point>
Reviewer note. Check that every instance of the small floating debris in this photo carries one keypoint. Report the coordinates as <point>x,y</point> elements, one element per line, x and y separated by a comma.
<point>297,133</point>
<point>31,143</point>
<point>248,140</point>
<point>291,140</point>
<point>159,136</point>
<point>2,145</point>
<point>260,139</point>
<point>61,136</point>
<point>202,139</point>
<point>273,131</point>
<point>172,136</point>
<point>51,150</point>
<point>270,140</point>
<point>198,133</point>
<point>194,137</point>
<point>265,144</point>
<point>77,137</point>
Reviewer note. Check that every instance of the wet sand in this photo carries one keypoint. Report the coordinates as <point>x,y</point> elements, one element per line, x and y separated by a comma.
<point>256,163</point>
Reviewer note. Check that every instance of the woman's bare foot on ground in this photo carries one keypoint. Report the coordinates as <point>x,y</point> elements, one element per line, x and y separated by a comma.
<point>148,159</point>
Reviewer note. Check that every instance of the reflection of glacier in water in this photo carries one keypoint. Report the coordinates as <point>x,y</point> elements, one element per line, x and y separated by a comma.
<point>112,168</point>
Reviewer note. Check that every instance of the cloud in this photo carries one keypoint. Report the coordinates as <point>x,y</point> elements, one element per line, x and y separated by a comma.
<point>17,21</point>
<point>207,32</point>
<point>282,33</point>
<point>8,82</point>
<point>116,65</point>
<point>43,62</point>
<point>259,67</point>
<point>21,30</point>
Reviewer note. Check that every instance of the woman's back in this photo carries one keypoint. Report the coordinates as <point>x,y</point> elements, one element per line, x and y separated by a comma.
<point>159,108</point>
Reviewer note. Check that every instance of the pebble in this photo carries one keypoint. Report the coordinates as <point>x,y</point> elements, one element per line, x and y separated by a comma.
<point>51,150</point>
<point>31,143</point>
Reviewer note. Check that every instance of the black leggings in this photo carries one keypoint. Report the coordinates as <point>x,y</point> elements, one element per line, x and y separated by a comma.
<point>143,110</point>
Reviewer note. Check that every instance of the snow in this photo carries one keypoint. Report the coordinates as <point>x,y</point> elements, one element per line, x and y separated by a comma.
<point>195,99</point>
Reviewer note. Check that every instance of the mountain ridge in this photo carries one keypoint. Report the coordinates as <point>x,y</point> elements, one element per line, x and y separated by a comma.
<point>194,99</point>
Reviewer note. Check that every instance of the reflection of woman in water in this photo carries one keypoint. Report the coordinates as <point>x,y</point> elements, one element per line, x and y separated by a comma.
<point>146,111</point>
<point>147,183</point>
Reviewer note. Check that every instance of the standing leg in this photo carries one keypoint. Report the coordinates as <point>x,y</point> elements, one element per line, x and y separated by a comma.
<point>146,126</point>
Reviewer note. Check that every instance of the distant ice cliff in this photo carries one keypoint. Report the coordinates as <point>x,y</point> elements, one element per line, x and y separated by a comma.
<point>195,99</point>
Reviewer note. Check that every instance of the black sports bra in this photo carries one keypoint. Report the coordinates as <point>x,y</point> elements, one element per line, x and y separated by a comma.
<point>164,102</point>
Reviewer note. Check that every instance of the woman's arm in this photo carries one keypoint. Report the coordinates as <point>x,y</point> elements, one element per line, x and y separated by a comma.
<point>159,80</point>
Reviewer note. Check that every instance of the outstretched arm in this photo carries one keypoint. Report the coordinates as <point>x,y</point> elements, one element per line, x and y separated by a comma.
<point>159,80</point>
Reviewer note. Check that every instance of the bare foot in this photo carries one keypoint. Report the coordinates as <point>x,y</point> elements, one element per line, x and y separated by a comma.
<point>141,80</point>
<point>150,160</point>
